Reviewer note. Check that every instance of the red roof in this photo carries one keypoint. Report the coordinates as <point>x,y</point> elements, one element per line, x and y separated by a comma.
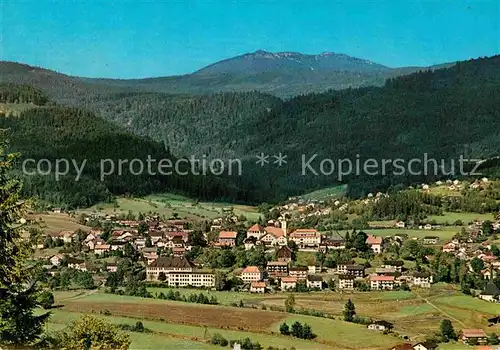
<point>256,228</point>
<point>258,284</point>
<point>370,240</point>
<point>304,232</point>
<point>289,279</point>
<point>277,232</point>
<point>382,278</point>
<point>251,269</point>
<point>473,333</point>
<point>228,234</point>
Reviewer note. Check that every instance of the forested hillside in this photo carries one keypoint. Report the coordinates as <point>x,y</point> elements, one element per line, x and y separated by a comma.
<point>444,113</point>
<point>53,133</point>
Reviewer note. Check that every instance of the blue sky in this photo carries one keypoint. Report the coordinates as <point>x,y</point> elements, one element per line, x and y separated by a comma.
<point>130,39</point>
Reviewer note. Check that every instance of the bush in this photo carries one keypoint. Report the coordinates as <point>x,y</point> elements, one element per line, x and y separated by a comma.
<point>218,339</point>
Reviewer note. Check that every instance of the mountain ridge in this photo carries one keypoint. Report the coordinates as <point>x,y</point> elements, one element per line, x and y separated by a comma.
<point>283,74</point>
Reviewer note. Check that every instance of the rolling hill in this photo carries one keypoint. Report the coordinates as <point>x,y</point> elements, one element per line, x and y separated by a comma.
<point>444,113</point>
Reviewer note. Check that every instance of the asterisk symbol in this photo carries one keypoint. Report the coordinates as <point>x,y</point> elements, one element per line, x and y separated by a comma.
<point>262,159</point>
<point>280,159</point>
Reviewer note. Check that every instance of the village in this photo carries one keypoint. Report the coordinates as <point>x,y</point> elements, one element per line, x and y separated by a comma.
<point>165,247</point>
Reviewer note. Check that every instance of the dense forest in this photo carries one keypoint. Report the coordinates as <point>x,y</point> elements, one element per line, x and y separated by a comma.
<point>53,133</point>
<point>444,113</point>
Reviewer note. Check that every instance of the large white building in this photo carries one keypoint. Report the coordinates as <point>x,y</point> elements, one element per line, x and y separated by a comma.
<point>306,238</point>
<point>193,279</point>
<point>179,272</point>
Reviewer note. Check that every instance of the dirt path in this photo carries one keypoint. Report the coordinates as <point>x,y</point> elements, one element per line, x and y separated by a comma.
<point>440,310</point>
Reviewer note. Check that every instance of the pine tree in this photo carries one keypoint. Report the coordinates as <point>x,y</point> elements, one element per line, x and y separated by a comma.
<point>447,331</point>
<point>19,295</point>
<point>284,329</point>
<point>349,311</point>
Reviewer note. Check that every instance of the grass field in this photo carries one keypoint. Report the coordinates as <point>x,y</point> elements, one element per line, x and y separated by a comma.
<point>168,204</point>
<point>55,223</point>
<point>224,298</point>
<point>450,218</point>
<point>177,319</point>
<point>326,193</point>
<point>416,314</point>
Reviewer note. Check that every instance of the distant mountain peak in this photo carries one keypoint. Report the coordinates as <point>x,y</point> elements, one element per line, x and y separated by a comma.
<point>288,62</point>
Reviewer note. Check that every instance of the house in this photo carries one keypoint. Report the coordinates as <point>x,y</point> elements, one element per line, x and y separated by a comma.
<point>346,282</point>
<point>380,326</point>
<point>274,236</point>
<point>385,271</point>
<point>67,236</point>
<point>284,254</point>
<point>166,265</point>
<point>431,240</point>
<point>400,224</point>
<point>394,264</point>
<point>488,274</point>
<point>427,345</point>
<point>277,268</point>
<point>256,231</point>
<point>314,282</point>
<point>449,247</point>
<point>306,238</point>
<point>382,282</point>
<point>111,267</point>
<point>258,287</point>
<point>227,238</point>
<point>100,249</point>
<point>342,267</point>
<point>56,210</point>
<point>56,259</point>
<point>77,264</point>
<point>178,251</point>
<point>491,292</point>
<point>404,346</point>
<point>356,270</point>
<point>299,271</point>
<point>479,336</point>
<point>249,242</point>
<point>199,279</point>
<point>312,269</point>
<point>251,274</point>
<point>428,227</point>
<point>288,282</point>
<point>375,243</point>
<point>422,279</point>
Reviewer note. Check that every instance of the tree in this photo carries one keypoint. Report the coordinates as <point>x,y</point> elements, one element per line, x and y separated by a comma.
<point>148,242</point>
<point>90,332</point>
<point>220,280</point>
<point>46,299</point>
<point>139,327</point>
<point>297,330</point>
<point>284,329</point>
<point>142,228</point>
<point>477,265</point>
<point>19,295</point>
<point>290,303</point>
<point>359,242</point>
<point>495,250</point>
<point>493,339</point>
<point>161,276</point>
<point>487,227</point>
<point>349,311</point>
<point>447,331</point>
<point>307,332</point>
